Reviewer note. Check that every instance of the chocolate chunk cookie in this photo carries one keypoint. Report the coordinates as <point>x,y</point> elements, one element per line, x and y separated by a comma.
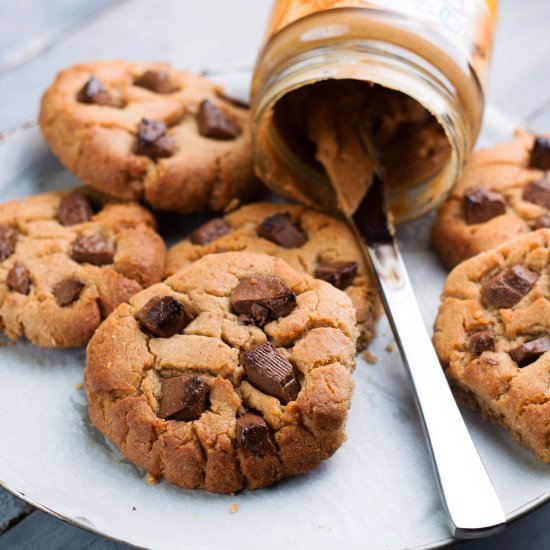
<point>146,131</point>
<point>492,335</point>
<point>504,192</point>
<point>65,264</point>
<point>189,391</point>
<point>314,243</point>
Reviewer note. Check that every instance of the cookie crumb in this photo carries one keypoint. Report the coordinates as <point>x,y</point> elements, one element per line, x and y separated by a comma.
<point>232,205</point>
<point>389,348</point>
<point>133,508</point>
<point>234,507</point>
<point>151,479</point>
<point>370,358</point>
<point>79,386</point>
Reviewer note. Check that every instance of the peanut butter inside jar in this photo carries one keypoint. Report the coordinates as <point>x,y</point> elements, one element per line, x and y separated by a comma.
<point>346,88</point>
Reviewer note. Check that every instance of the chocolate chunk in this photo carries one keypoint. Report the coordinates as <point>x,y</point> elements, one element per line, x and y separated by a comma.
<point>482,204</point>
<point>253,434</point>
<point>540,154</point>
<point>270,372</point>
<point>338,274</point>
<point>18,278</point>
<point>164,316</point>
<point>156,81</point>
<point>152,140</point>
<point>94,92</point>
<point>510,286</point>
<point>74,208</point>
<point>183,398</point>
<point>481,341</point>
<point>8,240</point>
<point>210,231</point>
<point>262,298</point>
<point>67,291</point>
<point>280,230</point>
<point>530,351</point>
<point>214,122</point>
<point>95,250</point>
<point>543,221</point>
<point>538,192</point>
<point>234,101</point>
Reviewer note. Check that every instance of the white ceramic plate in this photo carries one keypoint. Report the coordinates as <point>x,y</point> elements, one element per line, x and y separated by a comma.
<point>378,491</point>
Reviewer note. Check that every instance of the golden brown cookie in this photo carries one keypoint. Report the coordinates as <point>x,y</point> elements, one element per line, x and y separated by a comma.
<point>504,192</point>
<point>65,265</point>
<point>492,335</point>
<point>146,131</point>
<point>235,372</point>
<point>317,244</point>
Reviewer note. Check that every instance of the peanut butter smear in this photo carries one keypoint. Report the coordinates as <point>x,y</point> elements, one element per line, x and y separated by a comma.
<point>347,129</point>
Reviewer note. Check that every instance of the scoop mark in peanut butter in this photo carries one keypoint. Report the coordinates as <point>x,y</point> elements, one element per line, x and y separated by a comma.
<point>164,316</point>
<point>259,299</point>
<point>482,204</point>
<point>183,398</point>
<point>253,434</point>
<point>268,371</point>
<point>507,288</point>
<point>152,140</point>
<point>156,81</point>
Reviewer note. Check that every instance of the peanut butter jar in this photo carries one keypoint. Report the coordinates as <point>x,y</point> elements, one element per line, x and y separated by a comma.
<point>346,87</point>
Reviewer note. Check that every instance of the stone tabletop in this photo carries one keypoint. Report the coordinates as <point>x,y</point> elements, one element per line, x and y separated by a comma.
<point>38,38</point>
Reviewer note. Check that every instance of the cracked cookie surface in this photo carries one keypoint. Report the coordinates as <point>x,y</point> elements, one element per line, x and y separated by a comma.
<point>492,337</point>
<point>225,400</point>
<point>63,268</point>
<point>504,192</point>
<point>146,131</point>
<point>311,242</point>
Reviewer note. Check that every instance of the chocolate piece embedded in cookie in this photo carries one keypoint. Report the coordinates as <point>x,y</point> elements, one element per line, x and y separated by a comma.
<point>156,81</point>
<point>152,140</point>
<point>183,398</point>
<point>481,341</point>
<point>18,278</point>
<point>94,92</point>
<point>210,231</point>
<point>262,298</point>
<point>538,192</point>
<point>540,153</point>
<point>543,221</point>
<point>338,274</point>
<point>270,372</point>
<point>215,123</point>
<point>8,240</point>
<point>164,316</point>
<point>530,351</point>
<point>68,291</point>
<point>253,434</point>
<point>95,250</point>
<point>74,208</point>
<point>482,204</point>
<point>508,287</point>
<point>280,230</point>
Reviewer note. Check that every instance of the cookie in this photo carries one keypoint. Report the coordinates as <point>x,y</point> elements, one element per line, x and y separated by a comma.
<point>64,265</point>
<point>146,131</point>
<point>492,333</point>
<point>309,241</point>
<point>235,372</point>
<point>504,192</point>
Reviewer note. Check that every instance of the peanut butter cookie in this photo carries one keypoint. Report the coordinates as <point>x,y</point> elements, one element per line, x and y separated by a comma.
<point>146,131</point>
<point>317,244</point>
<point>492,335</point>
<point>504,192</point>
<point>64,265</point>
<point>235,372</point>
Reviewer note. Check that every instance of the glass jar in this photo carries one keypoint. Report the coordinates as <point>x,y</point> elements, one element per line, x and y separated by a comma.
<point>434,51</point>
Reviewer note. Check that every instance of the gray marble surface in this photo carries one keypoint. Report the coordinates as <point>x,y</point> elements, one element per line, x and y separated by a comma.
<point>38,38</point>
